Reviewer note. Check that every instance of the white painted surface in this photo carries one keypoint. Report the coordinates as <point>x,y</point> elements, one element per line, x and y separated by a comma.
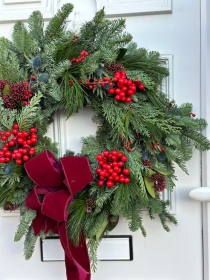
<point>160,256</point>
<point>200,194</point>
<point>133,7</point>
<point>109,249</point>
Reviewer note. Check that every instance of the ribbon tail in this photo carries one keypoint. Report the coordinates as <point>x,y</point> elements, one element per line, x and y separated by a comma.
<point>76,258</point>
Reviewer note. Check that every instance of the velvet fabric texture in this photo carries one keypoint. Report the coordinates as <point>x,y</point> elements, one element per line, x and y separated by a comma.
<point>56,185</point>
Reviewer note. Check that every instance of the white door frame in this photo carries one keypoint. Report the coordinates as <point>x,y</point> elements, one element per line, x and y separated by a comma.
<point>205,113</point>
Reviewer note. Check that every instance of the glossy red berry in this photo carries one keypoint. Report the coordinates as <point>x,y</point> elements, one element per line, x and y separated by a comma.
<point>100,183</point>
<point>126,171</point>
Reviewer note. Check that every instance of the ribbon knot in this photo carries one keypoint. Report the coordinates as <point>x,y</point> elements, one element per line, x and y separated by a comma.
<point>55,188</point>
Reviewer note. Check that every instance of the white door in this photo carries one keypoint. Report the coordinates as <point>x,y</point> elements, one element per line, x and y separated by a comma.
<point>160,256</point>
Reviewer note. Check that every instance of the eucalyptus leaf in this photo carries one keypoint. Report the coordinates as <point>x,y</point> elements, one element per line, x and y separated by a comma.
<point>164,172</point>
<point>102,229</point>
<point>149,186</point>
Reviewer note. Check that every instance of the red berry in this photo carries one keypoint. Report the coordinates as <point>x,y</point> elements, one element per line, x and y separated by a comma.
<point>20,134</point>
<point>1,153</point>
<point>8,154</point>
<point>141,87</point>
<point>5,149</point>
<point>25,134</point>
<point>33,77</point>
<point>33,140</point>
<point>114,174</point>
<point>11,143</point>
<point>14,131</point>
<point>111,91</point>
<point>110,178</point>
<point>33,129</point>
<point>120,163</point>
<point>20,141</point>
<point>18,155</point>
<point>124,158</point>
<point>116,178</point>
<point>126,171</point>
<point>109,184</point>
<point>4,138</point>
<point>126,180</point>
<point>18,161</point>
<point>193,115</point>
<point>31,153</point>
<point>7,159</point>
<point>2,160</point>
<point>100,183</point>
<point>25,157</point>
<point>117,97</point>
<point>15,126</point>
<point>99,157</point>
<point>119,155</point>
<point>8,134</point>
<point>122,179</point>
<point>90,87</point>
<point>106,153</point>
<point>162,149</point>
<point>98,170</point>
<point>128,99</point>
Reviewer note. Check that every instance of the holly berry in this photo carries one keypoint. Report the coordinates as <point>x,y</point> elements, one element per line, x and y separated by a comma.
<point>126,171</point>
<point>100,183</point>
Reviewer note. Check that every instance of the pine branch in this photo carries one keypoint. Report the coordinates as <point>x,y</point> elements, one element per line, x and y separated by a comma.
<point>57,24</point>
<point>36,25</point>
<point>29,114</point>
<point>25,223</point>
<point>29,243</point>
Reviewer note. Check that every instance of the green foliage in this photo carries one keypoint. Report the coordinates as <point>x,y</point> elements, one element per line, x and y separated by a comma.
<point>58,23</point>
<point>25,223</point>
<point>29,243</point>
<point>29,115</point>
<point>9,65</point>
<point>36,27</point>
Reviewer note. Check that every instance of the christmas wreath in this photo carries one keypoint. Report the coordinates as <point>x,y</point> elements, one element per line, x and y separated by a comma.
<point>122,170</point>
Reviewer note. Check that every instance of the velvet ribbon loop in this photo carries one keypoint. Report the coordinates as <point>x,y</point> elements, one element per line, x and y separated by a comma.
<point>57,185</point>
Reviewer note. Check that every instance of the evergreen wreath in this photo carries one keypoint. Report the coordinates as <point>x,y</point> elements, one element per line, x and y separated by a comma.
<point>141,132</point>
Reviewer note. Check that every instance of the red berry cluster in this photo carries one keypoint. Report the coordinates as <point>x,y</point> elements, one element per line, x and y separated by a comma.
<point>157,146</point>
<point>111,168</point>
<point>19,92</point>
<point>103,82</point>
<point>18,145</point>
<point>124,88</point>
<point>139,84</point>
<point>81,57</point>
<point>75,38</point>
<point>127,145</point>
<point>121,87</point>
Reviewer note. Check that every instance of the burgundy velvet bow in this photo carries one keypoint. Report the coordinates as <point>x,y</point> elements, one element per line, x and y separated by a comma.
<point>57,184</point>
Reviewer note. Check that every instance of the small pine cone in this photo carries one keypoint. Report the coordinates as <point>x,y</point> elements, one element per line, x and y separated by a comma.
<point>147,163</point>
<point>114,67</point>
<point>8,206</point>
<point>3,83</point>
<point>89,204</point>
<point>159,182</point>
<point>9,103</point>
